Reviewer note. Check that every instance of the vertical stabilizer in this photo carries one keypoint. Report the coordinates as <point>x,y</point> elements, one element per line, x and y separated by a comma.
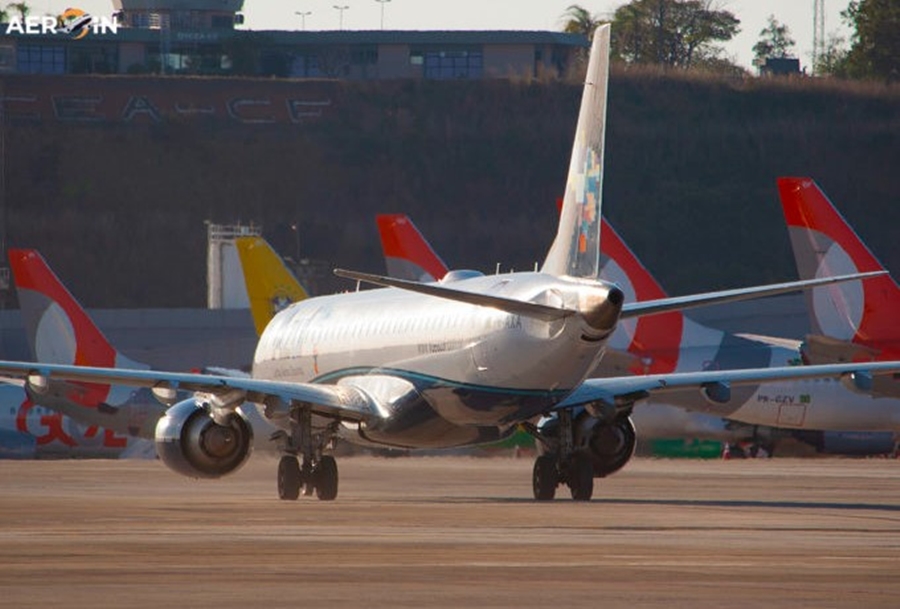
<point>407,255</point>
<point>659,335</point>
<point>271,287</point>
<point>576,249</point>
<point>865,312</point>
<point>58,329</point>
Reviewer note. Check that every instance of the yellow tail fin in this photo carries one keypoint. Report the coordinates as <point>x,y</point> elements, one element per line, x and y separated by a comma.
<point>271,287</point>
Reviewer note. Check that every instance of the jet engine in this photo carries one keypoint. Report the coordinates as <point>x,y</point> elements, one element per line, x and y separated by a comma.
<point>191,442</point>
<point>610,445</point>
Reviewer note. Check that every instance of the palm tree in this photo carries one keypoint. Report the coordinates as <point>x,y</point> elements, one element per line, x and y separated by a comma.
<point>580,21</point>
<point>21,7</point>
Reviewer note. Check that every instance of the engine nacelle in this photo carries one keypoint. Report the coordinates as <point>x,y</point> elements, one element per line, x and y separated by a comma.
<point>610,445</point>
<point>191,443</point>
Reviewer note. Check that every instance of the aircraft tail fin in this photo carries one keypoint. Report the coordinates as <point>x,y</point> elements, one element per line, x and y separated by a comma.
<point>407,254</point>
<point>659,335</point>
<point>271,287</point>
<point>58,329</point>
<point>575,251</point>
<point>864,312</point>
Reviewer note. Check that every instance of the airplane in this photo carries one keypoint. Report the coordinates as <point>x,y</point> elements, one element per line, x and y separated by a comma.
<point>858,321</point>
<point>59,331</point>
<point>79,419</point>
<point>673,342</point>
<point>832,416</point>
<point>441,365</point>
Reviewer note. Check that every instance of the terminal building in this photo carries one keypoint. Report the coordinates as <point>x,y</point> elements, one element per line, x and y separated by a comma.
<point>199,37</point>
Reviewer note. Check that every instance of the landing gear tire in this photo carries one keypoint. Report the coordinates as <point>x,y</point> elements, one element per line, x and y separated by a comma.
<point>545,478</point>
<point>289,478</point>
<point>325,477</point>
<point>581,478</point>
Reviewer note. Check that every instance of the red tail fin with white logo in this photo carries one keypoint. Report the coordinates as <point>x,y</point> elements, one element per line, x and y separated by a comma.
<point>406,252</point>
<point>864,312</point>
<point>57,327</point>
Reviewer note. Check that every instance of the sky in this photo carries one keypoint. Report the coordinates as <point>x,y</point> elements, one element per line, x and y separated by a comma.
<point>497,15</point>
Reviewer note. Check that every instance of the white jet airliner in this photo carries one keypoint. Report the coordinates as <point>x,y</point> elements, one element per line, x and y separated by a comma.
<point>448,364</point>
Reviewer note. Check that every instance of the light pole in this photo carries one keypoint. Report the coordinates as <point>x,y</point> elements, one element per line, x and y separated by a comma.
<point>341,8</point>
<point>303,18</point>
<point>382,3</point>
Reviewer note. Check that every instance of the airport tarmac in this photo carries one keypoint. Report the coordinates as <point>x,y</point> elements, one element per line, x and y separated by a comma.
<point>453,532</point>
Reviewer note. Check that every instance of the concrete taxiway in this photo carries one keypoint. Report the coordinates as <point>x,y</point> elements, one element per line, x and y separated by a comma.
<point>453,532</point>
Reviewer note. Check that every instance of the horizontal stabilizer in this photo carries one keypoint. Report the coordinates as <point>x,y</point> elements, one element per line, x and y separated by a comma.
<point>516,307</point>
<point>677,303</point>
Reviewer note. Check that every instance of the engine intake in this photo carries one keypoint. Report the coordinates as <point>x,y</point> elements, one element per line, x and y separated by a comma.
<point>191,443</point>
<point>610,445</point>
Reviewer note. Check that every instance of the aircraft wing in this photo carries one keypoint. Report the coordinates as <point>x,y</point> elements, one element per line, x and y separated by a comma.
<point>347,403</point>
<point>624,391</point>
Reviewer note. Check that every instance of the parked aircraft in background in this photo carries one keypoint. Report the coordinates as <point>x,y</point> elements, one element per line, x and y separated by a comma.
<point>30,428</point>
<point>461,362</point>
<point>830,415</point>
<point>859,320</point>
<point>59,331</point>
<point>673,342</point>
<point>103,418</point>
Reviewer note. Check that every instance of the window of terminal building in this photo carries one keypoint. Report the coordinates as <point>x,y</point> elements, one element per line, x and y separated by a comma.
<point>41,59</point>
<point>7,58</point>
<point>364,55</point>
<point>451,64</point>
<point>93,59</point>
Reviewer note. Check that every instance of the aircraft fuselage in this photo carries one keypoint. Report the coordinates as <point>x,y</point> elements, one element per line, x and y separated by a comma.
<point>445,373</point>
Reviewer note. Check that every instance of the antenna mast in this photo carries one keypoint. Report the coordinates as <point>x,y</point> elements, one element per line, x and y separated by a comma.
<point>818,34</point>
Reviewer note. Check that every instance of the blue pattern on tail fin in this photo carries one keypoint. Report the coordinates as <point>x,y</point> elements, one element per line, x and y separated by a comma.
<point>576,249</point>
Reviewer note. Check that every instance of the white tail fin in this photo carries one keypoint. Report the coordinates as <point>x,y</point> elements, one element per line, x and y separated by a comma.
<point>576,249</point>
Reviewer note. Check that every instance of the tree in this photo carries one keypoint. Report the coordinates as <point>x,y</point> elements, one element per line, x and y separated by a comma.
<point>580,21</point>
<point>833,59</point>
<point>875,43</point>
<point>673,33</point>
<point>774,40</point>
<point>20,7</point>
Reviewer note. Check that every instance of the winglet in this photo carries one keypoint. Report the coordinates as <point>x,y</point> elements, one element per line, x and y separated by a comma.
<point>824,244</point>
<point>407,254</point>
<point>575,251</point>
<point>270,285</point>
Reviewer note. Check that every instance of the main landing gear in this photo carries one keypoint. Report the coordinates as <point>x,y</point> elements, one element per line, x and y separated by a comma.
<point>560,463</point>
<point>320,477</point>
<point>550,471</point>
<point>311,471</point>
<point>577,446</point>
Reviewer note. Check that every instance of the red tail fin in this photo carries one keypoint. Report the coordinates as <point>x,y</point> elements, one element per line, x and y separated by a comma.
<point>657,337</point>
<point>58,329</point>
<point>406,252</point>
<point>865,312</point>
